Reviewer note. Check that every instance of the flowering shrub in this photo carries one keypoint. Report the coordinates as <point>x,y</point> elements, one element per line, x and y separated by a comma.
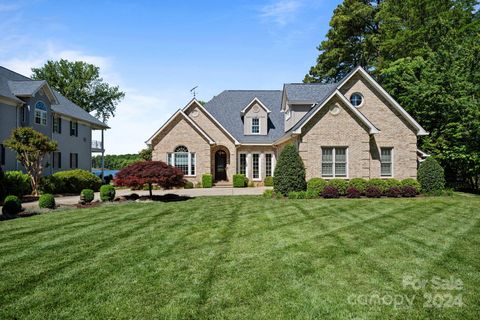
<point>408,191</point>
<point>330,192</point>
<point>373,192</point>
<point>393,192</point>
<point>353,192</point>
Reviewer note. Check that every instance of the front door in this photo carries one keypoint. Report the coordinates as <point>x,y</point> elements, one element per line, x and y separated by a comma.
<point>220,165</point>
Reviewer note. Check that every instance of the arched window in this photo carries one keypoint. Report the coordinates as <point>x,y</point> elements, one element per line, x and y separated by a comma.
<point>356,99</point>
<point>183,160</point>
<point>40,113</point>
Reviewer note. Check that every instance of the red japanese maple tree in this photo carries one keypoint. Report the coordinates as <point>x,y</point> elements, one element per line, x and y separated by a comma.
<point>150,172</point>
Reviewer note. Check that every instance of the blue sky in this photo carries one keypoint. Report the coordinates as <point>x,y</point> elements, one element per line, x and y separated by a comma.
<point>156,51</point>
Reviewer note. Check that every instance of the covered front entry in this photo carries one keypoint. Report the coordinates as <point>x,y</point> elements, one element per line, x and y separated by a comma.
<point>220,165</point>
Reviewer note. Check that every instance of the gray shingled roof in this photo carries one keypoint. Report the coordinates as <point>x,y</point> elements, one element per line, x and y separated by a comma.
<point>25,88</point>
<point>12,84</point>
<point>226,108</point>
<point>308,91</point>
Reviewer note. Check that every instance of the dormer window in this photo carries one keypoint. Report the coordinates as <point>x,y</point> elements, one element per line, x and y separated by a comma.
<point>255,125</point>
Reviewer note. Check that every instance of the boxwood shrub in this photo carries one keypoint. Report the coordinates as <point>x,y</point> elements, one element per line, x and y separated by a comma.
<point>2,185</point>
<point>11,205</point>
<point>268,193</point>
<point>207,180</point>
<point>46,201</point>
<point>431,176</point>
<point>107,192</point>
<point>359,184</point>
<point>239,181</point>
<point>380,184</point>
<point>87,195</point>
<point>71,181</point>
<point>392,183</point>
<point>339,184</point>
<point>188,185</point>
<point>316,185</point>
<point>17,183</point>
<point>268,181</point>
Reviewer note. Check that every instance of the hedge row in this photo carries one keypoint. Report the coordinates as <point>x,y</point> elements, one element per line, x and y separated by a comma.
<point>71,181</point>
<point>385,186</point>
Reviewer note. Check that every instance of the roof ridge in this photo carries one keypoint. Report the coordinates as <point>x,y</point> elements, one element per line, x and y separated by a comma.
<point>264,90</point>
<point>315,83</point>
<point>14,72</point>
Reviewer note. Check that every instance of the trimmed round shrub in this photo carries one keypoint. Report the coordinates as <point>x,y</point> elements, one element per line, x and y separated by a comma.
<point>11,205</point>
<point>410,182</point>
<point>239,181</point>
<point>17,183</point>
<point>431,176</point>
<point>392,183</point>
<point>107,193</point>
<point>353,192</point>
<point>393,192</point>
<point>340,184</point>
<point>373,192</point>
<point>71,181</point>
<point>268,182</point>
<point>289,172</point>
<point>359,184</point>
<point>87,195</point>
<point>316,185</point>
<point>377,183</point>
<point>188,185</point>
<point>409,192</point>
<point>46,201</point>
<point>207,181</point>
<point>330,192</point>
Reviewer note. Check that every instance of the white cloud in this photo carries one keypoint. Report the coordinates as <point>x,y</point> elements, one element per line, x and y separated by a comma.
<point>280,12</point>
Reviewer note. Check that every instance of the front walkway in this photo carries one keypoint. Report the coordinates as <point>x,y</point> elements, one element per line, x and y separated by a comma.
<point>200,192</point>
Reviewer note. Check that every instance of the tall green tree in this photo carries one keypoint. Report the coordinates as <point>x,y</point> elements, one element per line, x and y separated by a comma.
<point>31,147</point>
<point>425,54</point>
<point>81,83</point>
<point>350,42</point>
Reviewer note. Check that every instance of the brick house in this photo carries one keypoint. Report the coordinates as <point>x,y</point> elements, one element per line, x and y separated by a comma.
<point>349,129</point>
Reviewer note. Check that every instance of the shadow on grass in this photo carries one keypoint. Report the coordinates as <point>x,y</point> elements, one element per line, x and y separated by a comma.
<point>169,197</point>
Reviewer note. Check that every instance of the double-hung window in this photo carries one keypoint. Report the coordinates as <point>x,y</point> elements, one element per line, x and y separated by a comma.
<point>255,125</point>
<point>74,128</point>
<point>256,166</point>
<point>386,167</point>
<point>57,124</point>
<point>40,113</point>
<point>183,160</point>
<point>57,160</point>
<point>242,163</point>
<point>334,162</point>
<point>73,160</point>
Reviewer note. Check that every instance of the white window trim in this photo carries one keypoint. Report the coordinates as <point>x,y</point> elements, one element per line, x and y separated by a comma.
<point>392,161</point>
<point>333,176</point>
<point>246,163</point>
<point>272,162</point>
<point>259,166</point>
<point>171,156</point>
<point>42,116</point>
<point>259,128</point>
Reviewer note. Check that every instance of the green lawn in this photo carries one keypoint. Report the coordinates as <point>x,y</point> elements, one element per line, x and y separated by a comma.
<point>244,257</point>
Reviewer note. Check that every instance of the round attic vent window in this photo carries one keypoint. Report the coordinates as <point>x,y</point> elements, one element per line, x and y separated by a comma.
<point>195,113</point>
<point>334,110</point>
<point>256,109</point>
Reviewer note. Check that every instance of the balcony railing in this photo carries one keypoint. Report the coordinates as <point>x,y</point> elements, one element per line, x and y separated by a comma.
<point>97,146</point>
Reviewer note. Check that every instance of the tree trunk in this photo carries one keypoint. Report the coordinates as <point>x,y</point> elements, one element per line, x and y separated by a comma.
<point>150,189</point>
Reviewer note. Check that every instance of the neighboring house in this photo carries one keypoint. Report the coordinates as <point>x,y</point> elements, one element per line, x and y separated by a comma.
<point>349,129</point>
<point>31,103</point>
